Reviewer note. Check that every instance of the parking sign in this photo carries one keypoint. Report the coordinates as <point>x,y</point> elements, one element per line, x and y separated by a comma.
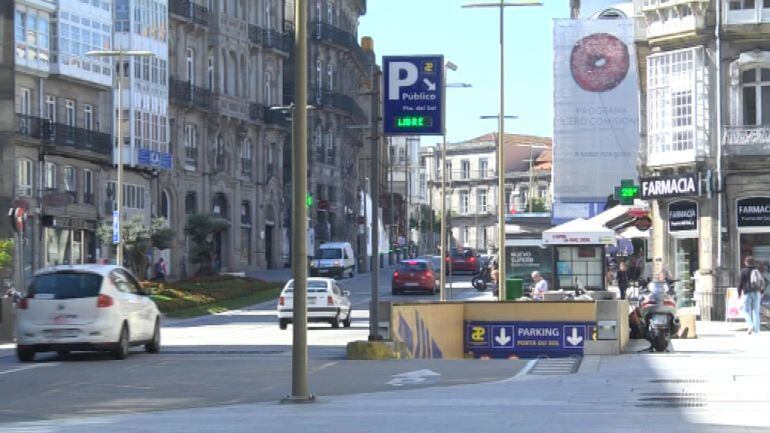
<point>413,95</point>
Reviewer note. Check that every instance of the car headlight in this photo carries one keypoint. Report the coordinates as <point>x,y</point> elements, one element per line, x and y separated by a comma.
<point>337,264</point>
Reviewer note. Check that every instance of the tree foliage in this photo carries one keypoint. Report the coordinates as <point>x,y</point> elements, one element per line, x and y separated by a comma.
<point>138,239</point>
<point>202,229</point>
<point>421,220</point>
<point>6,252</point>
<point>538,205</point>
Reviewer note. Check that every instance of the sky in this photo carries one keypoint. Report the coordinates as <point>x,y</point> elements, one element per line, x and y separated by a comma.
<point>469,38</point>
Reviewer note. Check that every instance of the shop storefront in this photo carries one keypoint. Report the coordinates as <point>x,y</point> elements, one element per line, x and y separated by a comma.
<point>69,241</point>
<point>683,229</point>
<point>753,225</point>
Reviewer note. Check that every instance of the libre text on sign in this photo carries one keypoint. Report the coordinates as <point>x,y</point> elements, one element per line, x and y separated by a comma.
<point>413,95</point>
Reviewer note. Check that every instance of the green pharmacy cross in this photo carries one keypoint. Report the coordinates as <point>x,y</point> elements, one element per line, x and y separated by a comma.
<point>627,192</point>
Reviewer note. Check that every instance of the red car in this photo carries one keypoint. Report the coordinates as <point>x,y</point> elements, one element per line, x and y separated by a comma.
<point>463,260</point>
<point>414,275</point>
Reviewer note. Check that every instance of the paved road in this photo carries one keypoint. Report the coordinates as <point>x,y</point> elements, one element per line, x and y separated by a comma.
<point>718,383</point>
<point>236,357</point>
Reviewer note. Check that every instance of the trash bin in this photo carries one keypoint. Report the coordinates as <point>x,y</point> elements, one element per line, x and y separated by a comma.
<point>514,288</point>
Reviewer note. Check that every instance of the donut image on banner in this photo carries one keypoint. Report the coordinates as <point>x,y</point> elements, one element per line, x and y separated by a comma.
<point>599,62</point>
<point>596,109</point>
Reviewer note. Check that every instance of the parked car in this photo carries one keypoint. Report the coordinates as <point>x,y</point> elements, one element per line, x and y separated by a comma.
<point>85,307</point>
<point>326,302</point>
<point>334,259</point>
<point>414,275</point>
<point>464,260</point>
<point>435,261</point>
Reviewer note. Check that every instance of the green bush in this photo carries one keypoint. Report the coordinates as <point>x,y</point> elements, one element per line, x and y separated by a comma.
<point>203,291</point>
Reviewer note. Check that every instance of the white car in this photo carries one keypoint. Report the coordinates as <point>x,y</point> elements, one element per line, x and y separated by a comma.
<point>326,302</point>
<point>85,307</point>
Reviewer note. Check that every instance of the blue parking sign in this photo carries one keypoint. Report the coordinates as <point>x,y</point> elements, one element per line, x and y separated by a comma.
<point>414,87</point>
<point>574,336</point>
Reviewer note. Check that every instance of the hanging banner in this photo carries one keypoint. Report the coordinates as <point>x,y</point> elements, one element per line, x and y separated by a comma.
<point>595,100</point>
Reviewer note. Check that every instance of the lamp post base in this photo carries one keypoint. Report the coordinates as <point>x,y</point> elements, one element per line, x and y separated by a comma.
<point>298,399</point>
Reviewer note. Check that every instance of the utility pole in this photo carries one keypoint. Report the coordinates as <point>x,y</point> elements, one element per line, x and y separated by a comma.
<point>374,320</point>
<point>299,253</point>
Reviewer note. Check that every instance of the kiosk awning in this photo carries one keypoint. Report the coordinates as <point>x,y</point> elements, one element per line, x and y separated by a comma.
<point>579,232</point>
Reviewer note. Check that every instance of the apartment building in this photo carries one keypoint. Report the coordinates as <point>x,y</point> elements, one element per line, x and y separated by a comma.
<point>226,67</point>
<point>705,135</point>
<point>472,184</point>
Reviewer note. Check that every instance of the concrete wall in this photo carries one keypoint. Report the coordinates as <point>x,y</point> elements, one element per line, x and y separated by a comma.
<point>436,330</point>
<point>429,330</point>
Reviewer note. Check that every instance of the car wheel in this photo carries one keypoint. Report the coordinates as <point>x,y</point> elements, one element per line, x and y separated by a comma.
<point>347,321</point>
<point>121,347</point>
<point>282,323</point>
<point>25,354</point>
<point>336,321</point>
<point>352,273</point>
<point>154,345</point>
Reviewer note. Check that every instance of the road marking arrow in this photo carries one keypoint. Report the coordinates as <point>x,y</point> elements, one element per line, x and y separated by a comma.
<point>574,339</point>
<point>502,339</point>
<point>431,86</point>
<point>414,377</point>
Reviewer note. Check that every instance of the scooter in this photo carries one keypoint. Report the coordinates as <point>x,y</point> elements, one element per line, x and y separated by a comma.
<point>483,278</point>
<point>658,315</point>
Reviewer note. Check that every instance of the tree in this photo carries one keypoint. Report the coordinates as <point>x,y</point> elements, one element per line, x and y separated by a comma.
<point>201,229</point>
<point>6,252</point>
<point>421,220</point>
<point>538,205</point>
<point>138,239</point>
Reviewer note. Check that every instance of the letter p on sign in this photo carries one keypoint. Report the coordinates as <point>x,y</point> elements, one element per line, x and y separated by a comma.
<point>395,80</point>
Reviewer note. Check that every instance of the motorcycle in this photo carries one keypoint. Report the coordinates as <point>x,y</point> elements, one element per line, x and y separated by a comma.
<point>483,278</point>
<point>657,313</point>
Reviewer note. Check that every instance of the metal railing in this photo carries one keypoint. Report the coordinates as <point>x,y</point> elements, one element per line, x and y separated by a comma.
<point>255,34</point>
<point>331,34</point>
<point>335,100</point>
<point>64,135</point>
<point>278,41</point>
<point>256,111</point>
<point>188,94</point>
<point>747,135</point>
<point>191,11</point>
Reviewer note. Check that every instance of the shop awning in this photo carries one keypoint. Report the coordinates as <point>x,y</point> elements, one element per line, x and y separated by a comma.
<point>613,216</point>
<point>632,232</point>
<point>579,232</point>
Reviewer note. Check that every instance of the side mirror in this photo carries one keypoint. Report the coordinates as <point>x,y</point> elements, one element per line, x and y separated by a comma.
<point>346,293</point>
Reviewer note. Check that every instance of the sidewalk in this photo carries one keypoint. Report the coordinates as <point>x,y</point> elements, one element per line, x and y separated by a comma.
<point>699,388</point>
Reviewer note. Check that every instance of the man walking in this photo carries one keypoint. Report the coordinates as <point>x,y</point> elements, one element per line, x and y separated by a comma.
<point>752,286</point>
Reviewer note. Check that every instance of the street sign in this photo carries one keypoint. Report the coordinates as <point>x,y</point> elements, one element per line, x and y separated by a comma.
<point>627,192</point>
<point>115,227</point>
<point>413,95</point>
<point>526,339</point>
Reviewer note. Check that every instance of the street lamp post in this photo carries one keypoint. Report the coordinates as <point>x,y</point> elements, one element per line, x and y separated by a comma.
<point>442,278</point>
<point>119,133</point>
<point>501,134</point>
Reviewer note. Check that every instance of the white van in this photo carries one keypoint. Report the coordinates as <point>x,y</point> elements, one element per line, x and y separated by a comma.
<point>335,259</point>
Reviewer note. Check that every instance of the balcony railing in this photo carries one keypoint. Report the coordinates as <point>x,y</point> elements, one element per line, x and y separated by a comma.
<point>277,117</point>
<point>64,135</point>
<point>255,34</point>
<point>334,35</point>
<point>256,111</point>
<point>335,100</point>
<point>191,11</point>
<point>188,94</point>
<point>747,140</point>
<point>276,40</point>
<point>232,106</point>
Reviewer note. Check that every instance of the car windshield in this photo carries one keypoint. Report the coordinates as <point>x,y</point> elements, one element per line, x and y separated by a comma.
<point>66,285</point>
<point>412,266</point>
<point>312,287</point>
<point>330,253</point>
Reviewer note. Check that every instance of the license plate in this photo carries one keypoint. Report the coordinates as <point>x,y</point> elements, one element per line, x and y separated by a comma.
<point>660,320</point>
<point>61,333</point>
<point>460,261</point>
<point>411,284</point>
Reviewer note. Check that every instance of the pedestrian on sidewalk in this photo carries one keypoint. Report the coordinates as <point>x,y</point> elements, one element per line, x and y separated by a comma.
<point>160,270</point>
<point>622,279</point>
<point>540,286</point>
<point>751,288</point>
